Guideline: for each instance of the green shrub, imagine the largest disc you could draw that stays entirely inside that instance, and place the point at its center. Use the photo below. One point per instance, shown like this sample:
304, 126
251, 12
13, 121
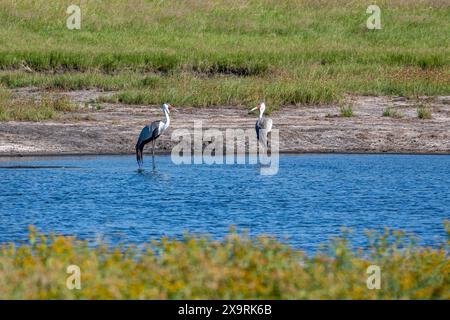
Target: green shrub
346, 111
423, 112
392, 113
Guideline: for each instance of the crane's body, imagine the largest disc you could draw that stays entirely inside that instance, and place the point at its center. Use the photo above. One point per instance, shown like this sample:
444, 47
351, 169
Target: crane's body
151, 132
263, 125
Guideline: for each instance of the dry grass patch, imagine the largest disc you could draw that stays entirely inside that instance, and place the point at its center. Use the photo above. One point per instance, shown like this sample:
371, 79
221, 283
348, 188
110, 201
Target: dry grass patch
19, 109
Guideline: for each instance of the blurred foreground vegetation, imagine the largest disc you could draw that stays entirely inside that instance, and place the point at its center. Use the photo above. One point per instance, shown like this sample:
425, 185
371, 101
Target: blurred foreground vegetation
237, 267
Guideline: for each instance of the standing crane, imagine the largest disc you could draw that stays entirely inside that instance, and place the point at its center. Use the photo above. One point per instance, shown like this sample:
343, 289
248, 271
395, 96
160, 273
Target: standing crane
263, 125
151, 132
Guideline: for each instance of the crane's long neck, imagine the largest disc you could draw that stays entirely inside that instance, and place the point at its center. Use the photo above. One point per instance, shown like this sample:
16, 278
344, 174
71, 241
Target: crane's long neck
167, 120
261, 113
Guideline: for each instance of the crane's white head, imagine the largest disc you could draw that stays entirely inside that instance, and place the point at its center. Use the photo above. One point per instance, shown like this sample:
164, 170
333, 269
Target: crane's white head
261, 107
167, 107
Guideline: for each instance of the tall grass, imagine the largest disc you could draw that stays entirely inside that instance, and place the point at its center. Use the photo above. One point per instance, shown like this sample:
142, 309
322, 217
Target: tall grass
294, 52
186, 89
237, 267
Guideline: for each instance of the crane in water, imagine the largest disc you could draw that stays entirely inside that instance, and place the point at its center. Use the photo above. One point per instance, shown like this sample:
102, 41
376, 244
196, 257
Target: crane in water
263, 125
151, 132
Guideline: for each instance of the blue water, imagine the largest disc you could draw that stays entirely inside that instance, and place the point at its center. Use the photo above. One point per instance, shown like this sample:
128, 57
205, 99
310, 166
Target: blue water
305, 204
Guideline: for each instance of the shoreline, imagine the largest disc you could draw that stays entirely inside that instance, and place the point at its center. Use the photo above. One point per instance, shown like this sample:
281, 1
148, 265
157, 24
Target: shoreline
283, 153
319, 129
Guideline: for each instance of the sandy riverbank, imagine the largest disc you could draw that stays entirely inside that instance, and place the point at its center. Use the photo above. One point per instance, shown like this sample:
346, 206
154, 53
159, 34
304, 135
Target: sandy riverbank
115, 127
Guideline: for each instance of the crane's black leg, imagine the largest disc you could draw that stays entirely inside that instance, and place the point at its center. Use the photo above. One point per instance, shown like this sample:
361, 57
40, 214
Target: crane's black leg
139, 156
153, 153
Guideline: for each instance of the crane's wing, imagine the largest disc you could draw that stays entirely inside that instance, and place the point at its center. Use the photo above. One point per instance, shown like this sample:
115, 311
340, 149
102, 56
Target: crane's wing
263, 137
268, 124
264, 126
148, 133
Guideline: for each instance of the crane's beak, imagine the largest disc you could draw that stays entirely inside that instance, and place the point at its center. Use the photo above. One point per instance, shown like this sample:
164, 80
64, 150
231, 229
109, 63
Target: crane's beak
172, 108
257, 107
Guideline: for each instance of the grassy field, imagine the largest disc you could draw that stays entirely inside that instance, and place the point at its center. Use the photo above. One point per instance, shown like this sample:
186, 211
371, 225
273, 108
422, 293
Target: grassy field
237, 267
235, 52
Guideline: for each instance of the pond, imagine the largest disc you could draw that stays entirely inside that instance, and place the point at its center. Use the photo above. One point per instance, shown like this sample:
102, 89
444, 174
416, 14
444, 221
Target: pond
305, 204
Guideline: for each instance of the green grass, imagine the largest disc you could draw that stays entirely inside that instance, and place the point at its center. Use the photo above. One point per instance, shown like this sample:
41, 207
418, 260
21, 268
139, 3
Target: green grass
185, 89
236, 267
423, 112
228, 52
392, 113
19, 109
346, 111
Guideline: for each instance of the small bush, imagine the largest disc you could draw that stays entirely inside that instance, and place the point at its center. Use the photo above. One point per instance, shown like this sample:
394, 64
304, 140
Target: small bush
392, 113
346, 111
423, 112
61, 104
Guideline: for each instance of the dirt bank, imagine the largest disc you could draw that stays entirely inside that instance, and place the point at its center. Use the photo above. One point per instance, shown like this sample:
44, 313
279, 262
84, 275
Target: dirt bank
114, 127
